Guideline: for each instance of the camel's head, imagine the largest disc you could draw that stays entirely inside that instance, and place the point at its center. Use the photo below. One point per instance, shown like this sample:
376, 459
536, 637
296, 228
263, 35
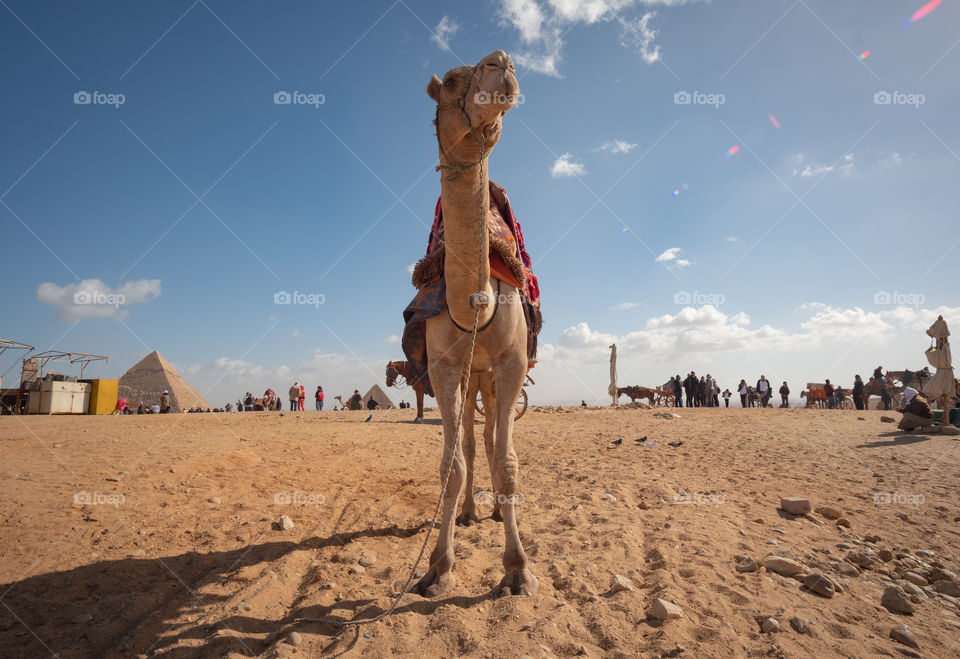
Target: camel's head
392, 374
471, 101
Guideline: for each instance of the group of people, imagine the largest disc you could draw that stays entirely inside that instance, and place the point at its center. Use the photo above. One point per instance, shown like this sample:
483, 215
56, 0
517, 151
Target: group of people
705, 392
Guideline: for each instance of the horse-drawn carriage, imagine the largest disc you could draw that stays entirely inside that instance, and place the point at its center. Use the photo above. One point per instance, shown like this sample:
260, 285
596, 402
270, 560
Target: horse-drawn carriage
816, 395
662, 395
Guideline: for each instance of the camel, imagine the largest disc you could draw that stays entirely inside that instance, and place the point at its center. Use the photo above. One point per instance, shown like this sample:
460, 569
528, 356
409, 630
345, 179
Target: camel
635, 392
402, 370
471, 102
345, 406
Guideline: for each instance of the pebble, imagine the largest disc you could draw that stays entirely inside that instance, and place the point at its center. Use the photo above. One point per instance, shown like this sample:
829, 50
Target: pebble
864, 558
795, 505
294, 639
136, 553
609, 497
801, 626
747, 565
951, 588
819, 584
769, 626
367, 559
829, 512
887, 419
902, 634
619, 583
907, 651
939, 574
895, 600
82, 618
915, 578
663, 610
243, 606
357, 569
844, 522
285, 523
214, 500
885, 555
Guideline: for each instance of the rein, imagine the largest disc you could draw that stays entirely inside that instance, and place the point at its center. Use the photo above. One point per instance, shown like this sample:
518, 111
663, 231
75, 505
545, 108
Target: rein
455, 168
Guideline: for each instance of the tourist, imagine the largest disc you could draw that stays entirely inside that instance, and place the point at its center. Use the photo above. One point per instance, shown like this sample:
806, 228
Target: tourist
726, 397
677, 391
294, 396
828, 392
583, 403
318, 399
356, 401
372, 404
839, 396
702, 392
885, 400
248, 402
784, 395
228, 407
301, 397
165, 402
716, 394
878, 374
916, 411
743, 390
858, 391
690, 386
708, 390
154, 409
764, 390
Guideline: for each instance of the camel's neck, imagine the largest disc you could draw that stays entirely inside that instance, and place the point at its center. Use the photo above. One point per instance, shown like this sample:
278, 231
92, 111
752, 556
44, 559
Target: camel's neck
466, 205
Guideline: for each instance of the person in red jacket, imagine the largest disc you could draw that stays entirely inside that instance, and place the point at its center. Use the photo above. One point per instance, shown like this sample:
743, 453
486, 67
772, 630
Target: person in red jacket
302, 398
318, 399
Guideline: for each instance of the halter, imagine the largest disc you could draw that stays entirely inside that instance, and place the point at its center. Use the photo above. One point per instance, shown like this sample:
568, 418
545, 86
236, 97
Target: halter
478, 135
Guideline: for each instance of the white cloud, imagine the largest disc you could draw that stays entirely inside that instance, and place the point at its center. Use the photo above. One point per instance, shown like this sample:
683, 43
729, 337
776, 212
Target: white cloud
410, 268
446, 29
893, 160
624, 306
638, 35
732, 239
565, 167
668, 255
91, 298
616, 146
843, 166
393, 339
295, 332
542, 25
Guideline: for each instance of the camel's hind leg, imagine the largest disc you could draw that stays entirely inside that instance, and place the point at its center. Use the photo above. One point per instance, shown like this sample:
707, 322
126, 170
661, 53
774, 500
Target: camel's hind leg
508, 374
468, 510
488, 393
439, 577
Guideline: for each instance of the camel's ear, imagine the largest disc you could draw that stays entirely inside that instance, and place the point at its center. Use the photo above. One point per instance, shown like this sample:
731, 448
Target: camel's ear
433, 88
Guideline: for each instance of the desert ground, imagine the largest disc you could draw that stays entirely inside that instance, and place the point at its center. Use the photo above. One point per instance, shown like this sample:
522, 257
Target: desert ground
159, 536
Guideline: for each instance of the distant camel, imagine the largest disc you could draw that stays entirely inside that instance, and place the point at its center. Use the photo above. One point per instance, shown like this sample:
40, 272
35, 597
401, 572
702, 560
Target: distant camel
636, 392
345, 406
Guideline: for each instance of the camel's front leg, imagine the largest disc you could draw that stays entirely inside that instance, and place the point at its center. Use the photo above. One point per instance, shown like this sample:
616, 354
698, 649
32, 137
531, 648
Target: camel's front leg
468, 510
508, 374
419, 391
439, 576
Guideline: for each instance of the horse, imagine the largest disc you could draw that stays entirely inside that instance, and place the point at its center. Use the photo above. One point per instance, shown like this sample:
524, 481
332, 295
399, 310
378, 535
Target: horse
635, 392
403, 370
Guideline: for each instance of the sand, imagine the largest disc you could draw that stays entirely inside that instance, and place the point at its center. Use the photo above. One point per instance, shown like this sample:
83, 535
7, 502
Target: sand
177, 555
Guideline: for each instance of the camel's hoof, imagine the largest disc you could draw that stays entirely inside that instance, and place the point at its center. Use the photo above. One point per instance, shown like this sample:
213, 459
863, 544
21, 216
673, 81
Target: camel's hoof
518, 582
433, 584
495, 515
467, 519
419, 419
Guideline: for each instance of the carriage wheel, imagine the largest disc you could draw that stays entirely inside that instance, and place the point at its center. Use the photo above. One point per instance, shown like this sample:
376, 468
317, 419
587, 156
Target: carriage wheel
847, 404
521, 404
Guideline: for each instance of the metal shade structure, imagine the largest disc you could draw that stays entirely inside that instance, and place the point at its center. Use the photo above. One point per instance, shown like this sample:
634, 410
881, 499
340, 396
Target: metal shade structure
69, 357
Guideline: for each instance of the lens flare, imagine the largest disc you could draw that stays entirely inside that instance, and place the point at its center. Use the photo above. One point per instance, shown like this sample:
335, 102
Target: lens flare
923, 11
773, 120
864, 55
732, 151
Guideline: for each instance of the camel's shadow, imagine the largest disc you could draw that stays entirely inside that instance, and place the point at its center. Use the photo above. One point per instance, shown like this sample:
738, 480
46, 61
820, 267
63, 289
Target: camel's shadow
900, 438
152, 606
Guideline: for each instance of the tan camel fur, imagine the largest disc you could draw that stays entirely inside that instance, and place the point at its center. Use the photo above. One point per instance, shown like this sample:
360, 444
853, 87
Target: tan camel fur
471, 102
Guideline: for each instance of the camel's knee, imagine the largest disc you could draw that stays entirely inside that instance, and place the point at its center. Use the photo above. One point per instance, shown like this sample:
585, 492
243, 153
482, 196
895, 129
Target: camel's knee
506, 475
458, 471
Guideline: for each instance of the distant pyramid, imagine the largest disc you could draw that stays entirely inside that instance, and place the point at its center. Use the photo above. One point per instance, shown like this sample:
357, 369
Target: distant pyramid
377, 393
150, 377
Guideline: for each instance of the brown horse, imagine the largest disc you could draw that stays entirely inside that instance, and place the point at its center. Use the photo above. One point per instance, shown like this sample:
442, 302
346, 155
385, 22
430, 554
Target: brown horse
635, 392
397, 370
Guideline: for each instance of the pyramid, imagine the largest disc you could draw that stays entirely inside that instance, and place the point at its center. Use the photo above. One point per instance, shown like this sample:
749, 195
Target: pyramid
382, 398
153, 374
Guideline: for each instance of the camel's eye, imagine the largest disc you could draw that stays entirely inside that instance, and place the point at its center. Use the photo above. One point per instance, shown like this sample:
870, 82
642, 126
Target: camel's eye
450, 82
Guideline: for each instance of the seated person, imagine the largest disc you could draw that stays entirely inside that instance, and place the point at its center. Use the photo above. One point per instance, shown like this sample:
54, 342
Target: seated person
916, 411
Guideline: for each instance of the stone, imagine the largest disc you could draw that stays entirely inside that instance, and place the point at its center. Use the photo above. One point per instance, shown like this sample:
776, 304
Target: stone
214, 500
136, 553
786, 567
951, 588
357, 569
367, 559
294, 639
895, 600
885, 555
619, 583
865, 558
913, 590
915, 578
747, 565
846, 569
285, 523
801, 626
887, 419
243, 606
769, 626
925, 553
663, 610
908, 652
795, 505
609, 497
820, 584
82, 618
940, 574
844, 522
829, 512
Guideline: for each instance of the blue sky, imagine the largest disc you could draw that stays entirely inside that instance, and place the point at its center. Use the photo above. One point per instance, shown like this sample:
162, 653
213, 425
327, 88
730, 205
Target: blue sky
819, 249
